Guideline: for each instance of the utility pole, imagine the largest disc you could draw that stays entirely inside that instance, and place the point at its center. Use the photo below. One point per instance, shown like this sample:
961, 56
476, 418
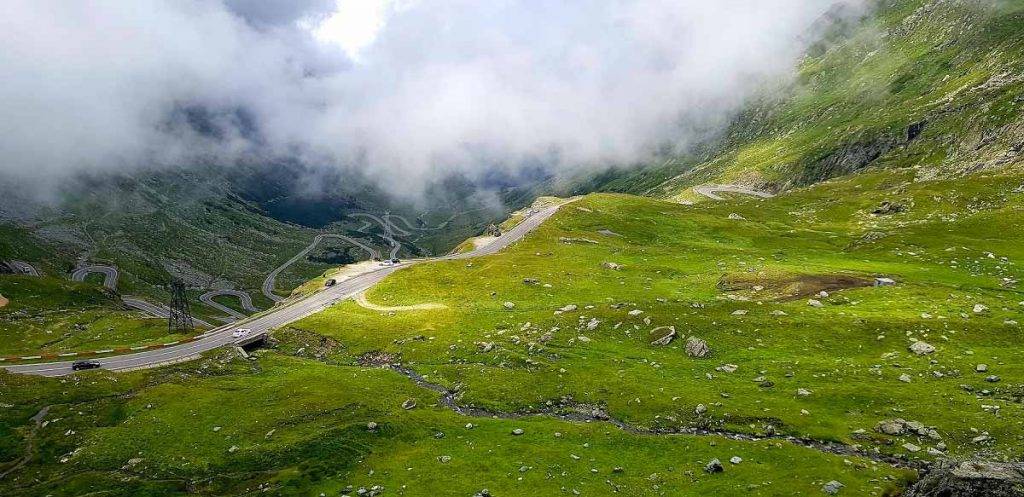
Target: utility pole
179, 320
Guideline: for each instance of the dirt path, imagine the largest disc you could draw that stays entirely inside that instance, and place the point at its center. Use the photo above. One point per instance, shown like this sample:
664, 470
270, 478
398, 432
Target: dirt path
30, 448
712, 191
363, 302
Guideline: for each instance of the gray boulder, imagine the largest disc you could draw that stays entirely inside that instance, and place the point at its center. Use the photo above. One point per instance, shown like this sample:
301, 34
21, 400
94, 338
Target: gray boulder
696, 347
971, 478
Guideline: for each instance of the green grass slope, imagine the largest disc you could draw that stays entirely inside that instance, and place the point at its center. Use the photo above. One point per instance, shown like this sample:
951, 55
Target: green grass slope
52, 316
924, 84
601, 407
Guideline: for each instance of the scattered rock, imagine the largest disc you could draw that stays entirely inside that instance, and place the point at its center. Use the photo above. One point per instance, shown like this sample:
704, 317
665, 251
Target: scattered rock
803, 392
570, 241
727, 368
894, 427
611, 265
980, 308
736, 217
815, 303
715, 466
409, 404
518, 431
635, 312
531, 281
832, 488
509, 305
886, 208
696, 347
736, 459
700, 409
885, 282
662, 335
569, 308
371, 426
905, 378
921, 348
911, 447
739, 312
485, 346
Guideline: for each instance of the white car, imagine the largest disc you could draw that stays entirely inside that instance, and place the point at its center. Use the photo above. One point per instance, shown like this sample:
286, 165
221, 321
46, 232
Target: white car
241, 332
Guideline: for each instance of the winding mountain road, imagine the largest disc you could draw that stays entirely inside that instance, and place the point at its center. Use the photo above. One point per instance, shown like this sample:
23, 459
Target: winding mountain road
271, 280
711, 191
278, 316
389, 230
388, 217
207, 298
110, 277
25, 268
110, 274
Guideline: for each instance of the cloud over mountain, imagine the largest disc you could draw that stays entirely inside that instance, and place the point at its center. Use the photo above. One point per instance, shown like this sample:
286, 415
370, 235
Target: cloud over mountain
404, 89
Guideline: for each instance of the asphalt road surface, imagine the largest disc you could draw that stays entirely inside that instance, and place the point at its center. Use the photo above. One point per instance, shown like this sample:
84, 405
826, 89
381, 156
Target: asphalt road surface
110, 276
278, 316
711, 191
271, 280
25, 268
389, 230
109, 273
157, 310
207, 298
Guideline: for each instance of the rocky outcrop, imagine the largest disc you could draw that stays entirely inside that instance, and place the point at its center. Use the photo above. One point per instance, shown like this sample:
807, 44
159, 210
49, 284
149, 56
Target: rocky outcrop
971, 478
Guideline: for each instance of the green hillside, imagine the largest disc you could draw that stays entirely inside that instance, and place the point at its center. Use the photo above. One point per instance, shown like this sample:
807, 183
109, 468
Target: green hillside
847, 336
935, 87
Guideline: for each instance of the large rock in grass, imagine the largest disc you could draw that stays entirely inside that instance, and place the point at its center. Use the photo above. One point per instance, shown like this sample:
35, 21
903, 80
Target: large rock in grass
696, 347
894, 427
921, 348
662, 335
971, 478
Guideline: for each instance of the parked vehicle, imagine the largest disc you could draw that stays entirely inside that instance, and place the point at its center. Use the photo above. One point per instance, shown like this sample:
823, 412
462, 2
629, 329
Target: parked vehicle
331, 282
241, 332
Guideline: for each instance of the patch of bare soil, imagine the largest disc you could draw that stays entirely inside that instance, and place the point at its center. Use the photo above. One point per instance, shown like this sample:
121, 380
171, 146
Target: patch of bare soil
788, 287
362, 301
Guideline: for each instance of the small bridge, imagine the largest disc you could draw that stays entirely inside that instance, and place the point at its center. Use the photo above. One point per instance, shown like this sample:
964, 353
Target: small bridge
257, 338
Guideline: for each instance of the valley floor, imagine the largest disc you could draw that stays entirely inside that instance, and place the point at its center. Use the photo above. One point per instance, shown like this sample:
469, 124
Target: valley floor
551, 368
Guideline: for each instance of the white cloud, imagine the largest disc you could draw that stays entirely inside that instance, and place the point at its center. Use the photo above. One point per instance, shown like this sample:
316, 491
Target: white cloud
439, 85
353, 26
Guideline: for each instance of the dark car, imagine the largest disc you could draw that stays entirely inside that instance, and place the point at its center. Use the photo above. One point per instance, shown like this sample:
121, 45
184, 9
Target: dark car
395, 261
83, 365
331, 282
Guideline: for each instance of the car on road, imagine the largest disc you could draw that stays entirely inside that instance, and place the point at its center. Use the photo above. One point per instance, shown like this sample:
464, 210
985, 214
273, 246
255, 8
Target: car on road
330, 282
387, 263
83, 365
241, 332
395, 261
